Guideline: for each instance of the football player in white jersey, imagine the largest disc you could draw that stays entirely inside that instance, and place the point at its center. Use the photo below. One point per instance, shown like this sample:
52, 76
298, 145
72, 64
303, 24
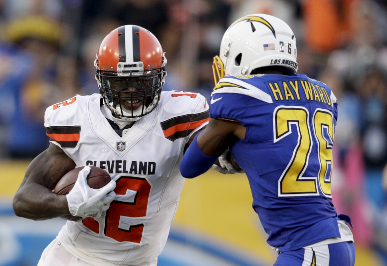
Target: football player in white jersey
138, 134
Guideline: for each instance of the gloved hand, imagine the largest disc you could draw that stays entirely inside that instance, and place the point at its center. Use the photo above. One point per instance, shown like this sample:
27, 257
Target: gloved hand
85, 201
228, 165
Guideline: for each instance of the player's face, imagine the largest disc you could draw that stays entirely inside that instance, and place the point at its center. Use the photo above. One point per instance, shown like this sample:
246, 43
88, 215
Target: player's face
132, 95
132, 91
129, 100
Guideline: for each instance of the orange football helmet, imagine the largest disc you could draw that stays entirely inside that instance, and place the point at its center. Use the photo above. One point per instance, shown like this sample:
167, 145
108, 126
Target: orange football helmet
130, 71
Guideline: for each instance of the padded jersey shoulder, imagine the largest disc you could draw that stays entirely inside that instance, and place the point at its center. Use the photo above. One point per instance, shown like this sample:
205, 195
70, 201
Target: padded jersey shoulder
64, 120
67, 113
233, 94
178, 103
182, 113
251, 85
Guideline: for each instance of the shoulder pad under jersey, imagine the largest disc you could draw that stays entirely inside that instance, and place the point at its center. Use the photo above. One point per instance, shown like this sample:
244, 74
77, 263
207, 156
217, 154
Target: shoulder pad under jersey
232, 95
246, 85
63, 120
182, 113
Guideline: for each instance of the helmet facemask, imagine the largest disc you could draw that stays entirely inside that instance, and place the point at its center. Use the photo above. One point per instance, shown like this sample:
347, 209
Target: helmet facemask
131, 95
217, 69
130, 72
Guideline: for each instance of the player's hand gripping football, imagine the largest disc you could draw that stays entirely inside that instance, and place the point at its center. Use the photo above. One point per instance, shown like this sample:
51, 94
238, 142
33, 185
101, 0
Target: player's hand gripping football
227, 164
85, 201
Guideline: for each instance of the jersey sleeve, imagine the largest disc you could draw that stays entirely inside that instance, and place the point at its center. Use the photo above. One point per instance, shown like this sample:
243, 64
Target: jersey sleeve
183, 114
200, 114
63, 122
232, 96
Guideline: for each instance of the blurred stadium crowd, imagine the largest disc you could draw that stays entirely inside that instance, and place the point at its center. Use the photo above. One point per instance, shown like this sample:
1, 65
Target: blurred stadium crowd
47, 49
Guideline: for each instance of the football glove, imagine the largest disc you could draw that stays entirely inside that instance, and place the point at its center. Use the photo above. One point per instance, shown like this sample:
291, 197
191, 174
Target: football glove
85, 201
226, 166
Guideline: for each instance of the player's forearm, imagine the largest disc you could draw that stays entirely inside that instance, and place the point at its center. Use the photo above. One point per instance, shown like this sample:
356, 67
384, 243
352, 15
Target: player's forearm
37, 202
195, 162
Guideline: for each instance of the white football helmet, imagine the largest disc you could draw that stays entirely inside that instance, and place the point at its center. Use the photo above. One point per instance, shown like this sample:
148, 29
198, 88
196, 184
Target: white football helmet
255, 41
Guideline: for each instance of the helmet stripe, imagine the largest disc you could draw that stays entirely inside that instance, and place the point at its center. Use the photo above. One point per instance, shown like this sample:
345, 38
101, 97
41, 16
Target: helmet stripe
129, 43
136, 43
121, 44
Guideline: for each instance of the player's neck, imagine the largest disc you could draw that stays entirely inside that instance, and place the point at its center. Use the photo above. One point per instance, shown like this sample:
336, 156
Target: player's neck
121, 123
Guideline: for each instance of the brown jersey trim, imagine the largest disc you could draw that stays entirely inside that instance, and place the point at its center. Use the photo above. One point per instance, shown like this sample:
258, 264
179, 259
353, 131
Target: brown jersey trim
66, 136
184, 119
182, 126
63, 129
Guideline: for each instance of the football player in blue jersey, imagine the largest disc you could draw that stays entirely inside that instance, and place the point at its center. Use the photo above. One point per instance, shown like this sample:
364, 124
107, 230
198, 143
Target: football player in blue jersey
279, 127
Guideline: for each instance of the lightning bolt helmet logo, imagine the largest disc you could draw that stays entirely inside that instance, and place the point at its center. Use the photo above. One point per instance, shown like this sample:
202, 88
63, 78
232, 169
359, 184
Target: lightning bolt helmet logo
257, 19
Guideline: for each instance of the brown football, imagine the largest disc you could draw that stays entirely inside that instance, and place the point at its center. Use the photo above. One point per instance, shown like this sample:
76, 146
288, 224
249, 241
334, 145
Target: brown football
96, 179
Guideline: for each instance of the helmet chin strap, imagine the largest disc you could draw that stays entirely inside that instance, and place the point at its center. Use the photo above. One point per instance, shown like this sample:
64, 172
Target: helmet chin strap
108, 114
122, 122
126, 112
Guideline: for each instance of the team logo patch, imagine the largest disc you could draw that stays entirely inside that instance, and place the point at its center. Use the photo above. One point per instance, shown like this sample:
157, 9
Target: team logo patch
121, 145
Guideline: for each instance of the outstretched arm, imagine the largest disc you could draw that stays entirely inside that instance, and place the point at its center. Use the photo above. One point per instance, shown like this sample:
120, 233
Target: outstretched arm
34, 198
209, 144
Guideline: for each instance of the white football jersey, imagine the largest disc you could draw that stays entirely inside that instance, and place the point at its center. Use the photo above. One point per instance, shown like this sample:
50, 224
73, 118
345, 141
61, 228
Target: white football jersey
145, 164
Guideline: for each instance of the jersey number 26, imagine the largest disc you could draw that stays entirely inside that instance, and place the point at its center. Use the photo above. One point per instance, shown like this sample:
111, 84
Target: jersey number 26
292, 182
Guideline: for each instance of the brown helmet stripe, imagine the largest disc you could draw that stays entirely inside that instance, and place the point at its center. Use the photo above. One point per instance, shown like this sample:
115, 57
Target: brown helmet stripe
121, 44
136, 43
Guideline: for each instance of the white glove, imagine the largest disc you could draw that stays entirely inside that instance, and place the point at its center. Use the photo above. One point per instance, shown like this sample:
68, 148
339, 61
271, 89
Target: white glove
226, 166
85, 201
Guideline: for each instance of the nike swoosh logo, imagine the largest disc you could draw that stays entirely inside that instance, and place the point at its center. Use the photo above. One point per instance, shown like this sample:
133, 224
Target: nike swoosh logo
214, 101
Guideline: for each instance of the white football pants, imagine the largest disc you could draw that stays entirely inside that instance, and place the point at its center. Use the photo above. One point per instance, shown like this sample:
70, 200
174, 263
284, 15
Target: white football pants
56, 255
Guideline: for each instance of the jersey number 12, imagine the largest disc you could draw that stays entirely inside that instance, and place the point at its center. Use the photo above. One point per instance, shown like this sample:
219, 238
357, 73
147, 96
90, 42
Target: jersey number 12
115, 226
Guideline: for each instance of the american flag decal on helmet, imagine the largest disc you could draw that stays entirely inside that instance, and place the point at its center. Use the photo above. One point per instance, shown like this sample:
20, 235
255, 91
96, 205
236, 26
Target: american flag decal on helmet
269, 46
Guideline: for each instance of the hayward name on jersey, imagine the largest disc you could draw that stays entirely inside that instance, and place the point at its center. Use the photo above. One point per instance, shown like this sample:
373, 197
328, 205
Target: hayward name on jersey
145, 164
287, 152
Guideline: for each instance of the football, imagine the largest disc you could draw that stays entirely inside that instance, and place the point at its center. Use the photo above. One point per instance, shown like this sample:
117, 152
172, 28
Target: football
96, 179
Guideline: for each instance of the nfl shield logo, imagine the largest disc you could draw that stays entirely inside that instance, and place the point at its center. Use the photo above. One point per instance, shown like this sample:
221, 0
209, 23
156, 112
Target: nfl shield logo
121, 145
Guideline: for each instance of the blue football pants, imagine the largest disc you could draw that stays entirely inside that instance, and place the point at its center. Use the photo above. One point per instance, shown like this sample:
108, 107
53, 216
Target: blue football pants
337, 254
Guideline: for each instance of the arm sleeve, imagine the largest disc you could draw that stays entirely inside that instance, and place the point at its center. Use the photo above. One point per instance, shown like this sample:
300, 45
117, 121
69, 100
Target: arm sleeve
195, 162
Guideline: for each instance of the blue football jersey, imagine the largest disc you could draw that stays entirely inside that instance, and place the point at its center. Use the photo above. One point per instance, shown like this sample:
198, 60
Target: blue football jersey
287, 152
